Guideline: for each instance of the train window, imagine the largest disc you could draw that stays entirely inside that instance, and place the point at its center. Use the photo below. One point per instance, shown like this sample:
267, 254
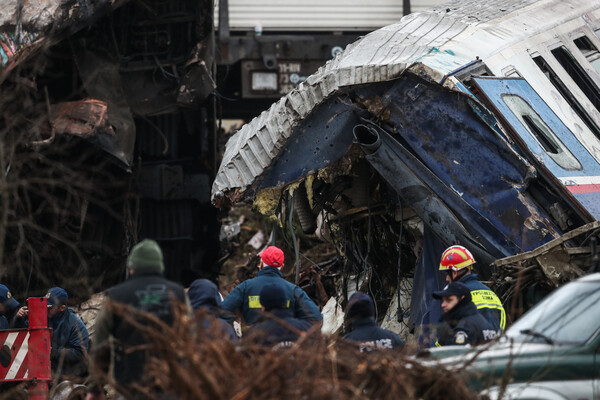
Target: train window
566, 94
591, 53
578, 74
542, 133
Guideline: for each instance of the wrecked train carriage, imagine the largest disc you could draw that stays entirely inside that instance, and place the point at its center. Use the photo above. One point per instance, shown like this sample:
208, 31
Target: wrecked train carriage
108, 116
470, 123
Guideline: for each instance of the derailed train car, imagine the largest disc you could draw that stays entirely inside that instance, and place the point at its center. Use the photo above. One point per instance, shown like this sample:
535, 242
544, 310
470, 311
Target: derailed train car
473, 123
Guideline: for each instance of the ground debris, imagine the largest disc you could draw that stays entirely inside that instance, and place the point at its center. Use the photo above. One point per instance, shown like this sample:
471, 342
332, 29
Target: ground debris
523, 279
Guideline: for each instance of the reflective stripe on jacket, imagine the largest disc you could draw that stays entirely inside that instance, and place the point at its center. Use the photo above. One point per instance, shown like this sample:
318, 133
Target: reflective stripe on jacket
486, 301
245, 297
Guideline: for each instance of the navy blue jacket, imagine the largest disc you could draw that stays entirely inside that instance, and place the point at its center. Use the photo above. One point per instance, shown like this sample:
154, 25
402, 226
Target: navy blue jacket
486, 301
370, 336
205, 300
245, 297
273, 330
70, 343
3, 323
465, 325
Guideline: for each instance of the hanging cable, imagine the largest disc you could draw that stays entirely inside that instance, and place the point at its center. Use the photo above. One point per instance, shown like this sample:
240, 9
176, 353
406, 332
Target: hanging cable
296, 251
400, 311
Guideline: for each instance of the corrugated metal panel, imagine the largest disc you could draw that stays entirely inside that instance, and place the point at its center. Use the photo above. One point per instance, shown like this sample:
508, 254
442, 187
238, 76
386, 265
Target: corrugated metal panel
317, 15
442, 39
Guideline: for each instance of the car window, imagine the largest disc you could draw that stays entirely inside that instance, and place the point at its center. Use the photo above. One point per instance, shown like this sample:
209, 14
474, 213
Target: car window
571, 314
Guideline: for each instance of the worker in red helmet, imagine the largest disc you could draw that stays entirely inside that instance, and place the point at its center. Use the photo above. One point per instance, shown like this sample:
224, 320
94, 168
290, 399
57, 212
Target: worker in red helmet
458, 263
245, 298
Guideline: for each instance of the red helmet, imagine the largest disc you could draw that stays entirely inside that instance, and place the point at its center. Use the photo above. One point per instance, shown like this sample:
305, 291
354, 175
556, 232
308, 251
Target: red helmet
456, 258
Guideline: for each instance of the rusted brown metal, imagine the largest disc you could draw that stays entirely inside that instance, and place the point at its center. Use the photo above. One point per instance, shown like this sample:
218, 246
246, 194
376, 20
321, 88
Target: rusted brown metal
79, 118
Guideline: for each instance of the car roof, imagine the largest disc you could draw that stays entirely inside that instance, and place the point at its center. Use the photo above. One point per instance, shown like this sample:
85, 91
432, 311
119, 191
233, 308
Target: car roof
595, 277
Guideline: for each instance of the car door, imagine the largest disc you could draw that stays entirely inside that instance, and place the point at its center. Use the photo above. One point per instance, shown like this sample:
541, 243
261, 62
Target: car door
597, 369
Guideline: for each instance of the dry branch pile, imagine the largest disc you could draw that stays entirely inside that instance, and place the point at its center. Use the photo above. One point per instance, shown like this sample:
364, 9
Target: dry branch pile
196, 365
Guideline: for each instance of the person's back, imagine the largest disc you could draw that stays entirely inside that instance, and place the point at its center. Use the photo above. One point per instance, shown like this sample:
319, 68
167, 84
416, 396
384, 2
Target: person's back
278, 327
486, 301
148, 293
364, 330
246, 296
144, 295
463, 324
205, 301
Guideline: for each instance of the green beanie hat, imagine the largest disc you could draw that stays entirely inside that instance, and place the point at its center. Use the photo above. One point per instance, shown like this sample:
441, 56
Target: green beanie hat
146, 255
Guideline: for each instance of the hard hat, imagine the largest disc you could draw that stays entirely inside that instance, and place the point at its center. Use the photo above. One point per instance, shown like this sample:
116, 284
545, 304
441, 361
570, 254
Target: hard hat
456, 258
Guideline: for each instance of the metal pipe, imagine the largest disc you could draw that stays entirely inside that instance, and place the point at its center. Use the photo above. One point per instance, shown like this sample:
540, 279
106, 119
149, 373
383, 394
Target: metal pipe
367, 137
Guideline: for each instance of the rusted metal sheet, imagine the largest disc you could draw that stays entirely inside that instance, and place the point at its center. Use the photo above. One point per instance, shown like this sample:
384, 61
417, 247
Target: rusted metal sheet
79, 118
86, 119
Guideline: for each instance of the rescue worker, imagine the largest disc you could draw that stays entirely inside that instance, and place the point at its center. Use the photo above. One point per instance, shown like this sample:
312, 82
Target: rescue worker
463, 323
117, 344
8, 306
277, 326
360, 315
70, 339
458, 262
206, 303
246, 296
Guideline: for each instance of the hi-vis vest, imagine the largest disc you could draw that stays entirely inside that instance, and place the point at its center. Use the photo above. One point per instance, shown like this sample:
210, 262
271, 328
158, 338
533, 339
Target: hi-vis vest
487, 300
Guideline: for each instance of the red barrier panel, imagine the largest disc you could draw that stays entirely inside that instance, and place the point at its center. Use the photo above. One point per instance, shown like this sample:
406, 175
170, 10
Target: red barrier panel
25, 353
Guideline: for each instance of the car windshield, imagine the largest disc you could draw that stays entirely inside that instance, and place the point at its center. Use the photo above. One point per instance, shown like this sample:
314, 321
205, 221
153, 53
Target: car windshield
570, 315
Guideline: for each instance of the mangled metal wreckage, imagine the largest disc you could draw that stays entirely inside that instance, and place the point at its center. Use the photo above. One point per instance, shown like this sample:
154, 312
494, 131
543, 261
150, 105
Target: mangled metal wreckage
414, 139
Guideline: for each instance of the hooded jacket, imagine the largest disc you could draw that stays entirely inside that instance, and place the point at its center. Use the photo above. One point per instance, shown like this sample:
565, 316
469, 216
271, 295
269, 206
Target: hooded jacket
463, 325
246, 298
206, 303
364, 329
273, 328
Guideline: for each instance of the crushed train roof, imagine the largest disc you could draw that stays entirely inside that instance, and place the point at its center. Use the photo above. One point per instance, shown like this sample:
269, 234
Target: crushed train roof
442, 39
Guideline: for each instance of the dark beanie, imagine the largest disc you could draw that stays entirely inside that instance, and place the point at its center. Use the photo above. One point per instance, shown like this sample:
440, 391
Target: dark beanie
360, 305
272, 296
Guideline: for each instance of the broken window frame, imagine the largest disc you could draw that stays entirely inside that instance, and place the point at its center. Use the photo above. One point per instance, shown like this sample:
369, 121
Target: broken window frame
569, 97
541, 132
577, 73
591, 53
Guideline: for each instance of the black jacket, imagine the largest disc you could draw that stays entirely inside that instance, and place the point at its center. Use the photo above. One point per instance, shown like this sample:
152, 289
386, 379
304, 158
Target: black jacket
370, 336
144, 291
273, 329
465, 325
205, 300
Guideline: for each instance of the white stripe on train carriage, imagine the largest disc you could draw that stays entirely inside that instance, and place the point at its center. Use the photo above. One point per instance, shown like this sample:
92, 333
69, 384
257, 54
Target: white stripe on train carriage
16, 364
580, 180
